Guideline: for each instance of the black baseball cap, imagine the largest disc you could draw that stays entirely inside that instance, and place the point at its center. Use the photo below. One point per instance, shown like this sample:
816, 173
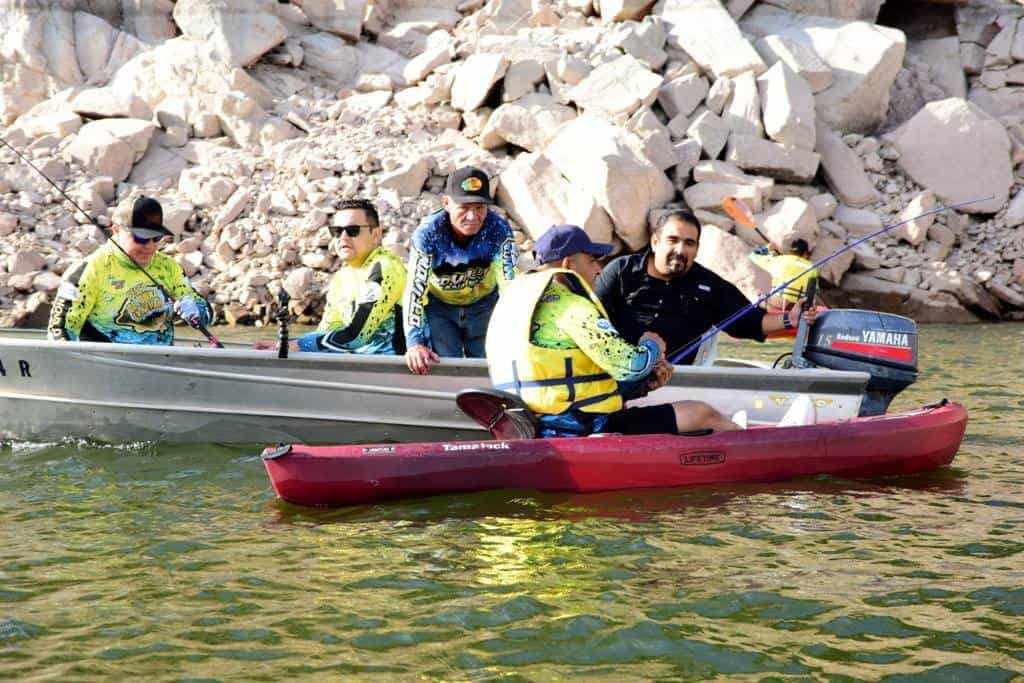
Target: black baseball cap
469, 185
148, 219
561, 241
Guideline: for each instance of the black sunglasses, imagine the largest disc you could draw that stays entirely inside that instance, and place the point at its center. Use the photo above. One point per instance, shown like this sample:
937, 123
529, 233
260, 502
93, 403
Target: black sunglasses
350, 230
147, 240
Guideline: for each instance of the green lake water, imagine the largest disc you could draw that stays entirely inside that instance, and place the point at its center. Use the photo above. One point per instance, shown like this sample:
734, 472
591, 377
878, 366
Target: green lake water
177, 563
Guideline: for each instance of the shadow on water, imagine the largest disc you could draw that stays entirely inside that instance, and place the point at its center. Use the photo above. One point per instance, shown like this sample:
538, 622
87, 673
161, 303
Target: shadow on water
645, 505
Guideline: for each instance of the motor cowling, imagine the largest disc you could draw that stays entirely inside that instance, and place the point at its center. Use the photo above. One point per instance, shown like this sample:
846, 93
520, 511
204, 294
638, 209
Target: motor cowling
882, 344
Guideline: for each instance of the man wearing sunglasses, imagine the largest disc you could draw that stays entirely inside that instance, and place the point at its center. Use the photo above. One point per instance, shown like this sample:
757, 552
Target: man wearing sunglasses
108, 297
362, 314
459, 258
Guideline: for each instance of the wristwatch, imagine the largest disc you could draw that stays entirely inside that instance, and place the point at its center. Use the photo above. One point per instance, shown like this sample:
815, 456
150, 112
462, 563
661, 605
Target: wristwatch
786, 325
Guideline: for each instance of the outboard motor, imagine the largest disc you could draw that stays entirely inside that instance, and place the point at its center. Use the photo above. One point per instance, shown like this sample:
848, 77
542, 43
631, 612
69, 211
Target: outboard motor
881, 344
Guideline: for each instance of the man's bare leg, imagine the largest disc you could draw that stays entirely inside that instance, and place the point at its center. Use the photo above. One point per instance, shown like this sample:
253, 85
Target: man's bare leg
694, 415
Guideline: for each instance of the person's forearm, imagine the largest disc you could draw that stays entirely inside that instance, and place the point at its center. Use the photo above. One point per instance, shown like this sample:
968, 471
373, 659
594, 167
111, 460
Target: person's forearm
773, 322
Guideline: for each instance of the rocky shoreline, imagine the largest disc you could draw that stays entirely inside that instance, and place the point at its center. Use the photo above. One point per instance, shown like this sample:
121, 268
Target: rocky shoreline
252, 120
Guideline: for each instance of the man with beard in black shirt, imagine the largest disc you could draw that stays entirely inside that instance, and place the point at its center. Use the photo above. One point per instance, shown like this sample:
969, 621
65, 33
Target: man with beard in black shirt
664, 290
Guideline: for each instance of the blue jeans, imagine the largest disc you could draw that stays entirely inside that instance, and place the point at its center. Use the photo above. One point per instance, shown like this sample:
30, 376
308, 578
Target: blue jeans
457, 331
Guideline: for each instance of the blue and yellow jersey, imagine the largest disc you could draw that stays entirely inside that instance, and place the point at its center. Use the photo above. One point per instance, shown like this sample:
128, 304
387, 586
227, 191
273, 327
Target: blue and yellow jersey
785, 267
455, 274
363, 314
108, 298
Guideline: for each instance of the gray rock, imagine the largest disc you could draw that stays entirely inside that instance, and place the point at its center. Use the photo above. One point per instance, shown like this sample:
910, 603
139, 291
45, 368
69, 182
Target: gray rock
843, 169
241, 31
957, 167
618, 88
772, 159
705, 31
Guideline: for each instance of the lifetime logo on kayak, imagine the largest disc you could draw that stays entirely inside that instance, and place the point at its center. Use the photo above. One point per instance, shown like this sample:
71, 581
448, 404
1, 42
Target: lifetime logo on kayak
487, 446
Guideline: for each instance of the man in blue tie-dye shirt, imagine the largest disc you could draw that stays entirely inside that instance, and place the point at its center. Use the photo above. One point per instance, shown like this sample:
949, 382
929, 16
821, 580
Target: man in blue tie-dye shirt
459, 258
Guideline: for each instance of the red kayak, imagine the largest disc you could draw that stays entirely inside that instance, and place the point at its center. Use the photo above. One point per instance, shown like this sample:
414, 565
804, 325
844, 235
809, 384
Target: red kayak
900, 443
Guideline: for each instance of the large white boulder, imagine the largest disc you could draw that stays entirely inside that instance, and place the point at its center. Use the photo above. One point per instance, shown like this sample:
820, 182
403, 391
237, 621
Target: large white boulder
595, 156
530, 122
787, 104
843, 169
800, 57
330, 54
407, 180
711, 132
864, 59
184, 71
103, 103
438, 51
617, 88
537, 196
790, 219
241, 31
706, 31
765, 157
110, 147
959, 152
474, 79
343, 17
655, 139
680, 96
728, 256
743, 112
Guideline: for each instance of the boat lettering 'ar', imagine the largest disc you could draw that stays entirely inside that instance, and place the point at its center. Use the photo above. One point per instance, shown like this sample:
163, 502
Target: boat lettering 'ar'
23, 368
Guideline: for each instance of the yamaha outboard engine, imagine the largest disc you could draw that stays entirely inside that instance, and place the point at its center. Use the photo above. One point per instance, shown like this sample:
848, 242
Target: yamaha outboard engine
881, 344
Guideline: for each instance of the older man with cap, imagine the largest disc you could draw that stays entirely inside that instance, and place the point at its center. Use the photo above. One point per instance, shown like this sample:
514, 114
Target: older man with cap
551, 343
460, 257
109, 297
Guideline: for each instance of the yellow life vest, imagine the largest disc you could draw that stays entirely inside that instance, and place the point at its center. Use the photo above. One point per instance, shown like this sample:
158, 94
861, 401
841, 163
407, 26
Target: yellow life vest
550, 381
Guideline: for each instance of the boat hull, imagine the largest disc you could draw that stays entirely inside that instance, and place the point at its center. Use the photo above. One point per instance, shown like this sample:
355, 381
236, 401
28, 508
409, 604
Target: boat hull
124, 393
904, 443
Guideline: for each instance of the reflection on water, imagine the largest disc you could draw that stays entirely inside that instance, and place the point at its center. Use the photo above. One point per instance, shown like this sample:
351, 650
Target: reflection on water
176, 562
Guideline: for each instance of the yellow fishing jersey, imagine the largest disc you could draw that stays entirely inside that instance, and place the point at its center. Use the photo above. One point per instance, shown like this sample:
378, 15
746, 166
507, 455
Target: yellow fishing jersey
107, 298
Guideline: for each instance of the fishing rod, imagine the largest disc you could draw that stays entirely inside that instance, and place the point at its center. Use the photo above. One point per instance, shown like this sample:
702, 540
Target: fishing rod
675, 357
214, 342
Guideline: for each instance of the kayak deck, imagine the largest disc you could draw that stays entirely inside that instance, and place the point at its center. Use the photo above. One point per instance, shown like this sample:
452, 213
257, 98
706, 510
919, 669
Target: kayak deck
894, 444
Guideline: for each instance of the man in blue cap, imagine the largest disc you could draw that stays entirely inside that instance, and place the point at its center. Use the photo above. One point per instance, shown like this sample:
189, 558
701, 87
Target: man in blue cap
551, 343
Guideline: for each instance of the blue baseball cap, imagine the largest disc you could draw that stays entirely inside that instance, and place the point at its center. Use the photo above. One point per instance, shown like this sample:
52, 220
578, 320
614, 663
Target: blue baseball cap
561, 241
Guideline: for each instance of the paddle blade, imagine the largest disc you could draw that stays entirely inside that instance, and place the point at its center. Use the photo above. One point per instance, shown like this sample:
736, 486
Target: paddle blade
737, 210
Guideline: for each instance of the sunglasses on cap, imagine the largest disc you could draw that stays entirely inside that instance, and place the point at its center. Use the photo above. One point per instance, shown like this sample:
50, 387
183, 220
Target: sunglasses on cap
146, 240
350, 230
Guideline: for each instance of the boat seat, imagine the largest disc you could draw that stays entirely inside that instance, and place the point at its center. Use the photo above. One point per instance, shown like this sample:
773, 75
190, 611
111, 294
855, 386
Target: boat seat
503, 414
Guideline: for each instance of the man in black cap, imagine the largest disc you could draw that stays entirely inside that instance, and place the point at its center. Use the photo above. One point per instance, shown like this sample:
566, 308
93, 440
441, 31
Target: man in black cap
552, 345
459, 258
109, 297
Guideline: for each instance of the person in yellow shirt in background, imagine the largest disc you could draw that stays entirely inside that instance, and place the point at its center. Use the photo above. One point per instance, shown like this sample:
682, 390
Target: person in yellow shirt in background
784, 267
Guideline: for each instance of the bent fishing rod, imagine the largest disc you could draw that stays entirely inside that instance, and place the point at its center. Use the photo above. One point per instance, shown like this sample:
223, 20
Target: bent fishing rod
676, 357
214, 342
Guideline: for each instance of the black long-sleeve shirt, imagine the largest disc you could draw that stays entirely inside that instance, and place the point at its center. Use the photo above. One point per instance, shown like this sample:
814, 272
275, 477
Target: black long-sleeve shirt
680, 310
